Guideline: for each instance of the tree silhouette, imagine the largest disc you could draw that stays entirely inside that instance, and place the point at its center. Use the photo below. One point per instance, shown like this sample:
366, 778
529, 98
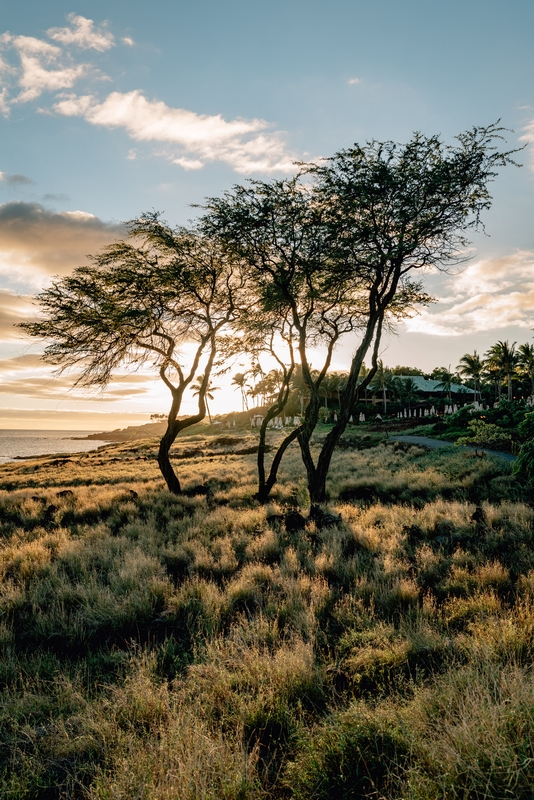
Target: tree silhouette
504, 357
199, 386
472, 366
240, 380
136, 305
525, 361
445, 382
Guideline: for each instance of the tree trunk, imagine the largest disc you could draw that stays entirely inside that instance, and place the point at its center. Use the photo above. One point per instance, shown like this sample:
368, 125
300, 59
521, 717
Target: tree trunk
265, 486
317, 479
174, 426
173, 484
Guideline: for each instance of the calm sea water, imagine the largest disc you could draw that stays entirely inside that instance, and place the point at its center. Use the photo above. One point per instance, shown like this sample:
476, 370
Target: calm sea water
41, 443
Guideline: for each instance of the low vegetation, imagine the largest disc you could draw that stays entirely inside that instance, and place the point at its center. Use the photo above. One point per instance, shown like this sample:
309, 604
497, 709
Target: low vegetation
160, 646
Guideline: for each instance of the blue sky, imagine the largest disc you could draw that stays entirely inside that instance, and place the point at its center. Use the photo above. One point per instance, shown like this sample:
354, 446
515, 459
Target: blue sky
109, 109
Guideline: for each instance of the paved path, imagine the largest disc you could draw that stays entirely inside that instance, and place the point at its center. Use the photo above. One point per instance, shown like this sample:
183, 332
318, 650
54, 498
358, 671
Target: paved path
433, 444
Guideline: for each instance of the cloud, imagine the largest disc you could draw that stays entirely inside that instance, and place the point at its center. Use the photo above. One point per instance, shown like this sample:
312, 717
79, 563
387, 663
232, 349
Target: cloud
490, 294
83, 34
36, 242
68, 420
49, 66
48, 387
191, 139
15, 180
354, 81
59, 198
13, 309
246, 145
40, 67
28, 375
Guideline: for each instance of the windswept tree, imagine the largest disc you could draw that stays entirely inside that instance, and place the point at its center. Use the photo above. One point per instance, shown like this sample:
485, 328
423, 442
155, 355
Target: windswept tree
138, 304
336, 245
276, 231
392, 210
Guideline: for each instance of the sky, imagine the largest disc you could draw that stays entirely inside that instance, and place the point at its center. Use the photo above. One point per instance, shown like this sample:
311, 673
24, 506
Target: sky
111, 109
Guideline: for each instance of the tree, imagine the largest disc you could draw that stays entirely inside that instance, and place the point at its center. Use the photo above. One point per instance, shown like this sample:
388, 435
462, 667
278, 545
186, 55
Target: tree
276, 230
240, 380
484, 435
395, 209
504, 357
472, 366
525, 362
198, 387
334, 247
137, 305
383, 381
406, 390
445, 382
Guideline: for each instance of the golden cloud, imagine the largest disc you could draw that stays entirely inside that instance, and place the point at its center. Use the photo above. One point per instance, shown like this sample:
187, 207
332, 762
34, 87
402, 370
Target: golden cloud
36, 242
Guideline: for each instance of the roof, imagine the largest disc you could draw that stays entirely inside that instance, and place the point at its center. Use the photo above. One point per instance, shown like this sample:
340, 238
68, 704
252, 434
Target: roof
434, 387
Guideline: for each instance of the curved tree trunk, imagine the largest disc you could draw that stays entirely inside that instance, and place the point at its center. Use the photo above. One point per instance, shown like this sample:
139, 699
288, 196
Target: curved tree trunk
174, 426
265, 485
317, 484
173, 484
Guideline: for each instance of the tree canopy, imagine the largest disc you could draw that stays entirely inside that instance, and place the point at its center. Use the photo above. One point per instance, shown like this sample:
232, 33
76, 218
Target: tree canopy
140, 302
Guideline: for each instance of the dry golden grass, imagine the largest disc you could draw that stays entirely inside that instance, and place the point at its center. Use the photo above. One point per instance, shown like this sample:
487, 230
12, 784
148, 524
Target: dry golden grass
155, 646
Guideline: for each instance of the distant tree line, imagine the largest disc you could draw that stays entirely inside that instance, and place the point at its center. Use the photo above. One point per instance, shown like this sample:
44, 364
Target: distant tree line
284, 268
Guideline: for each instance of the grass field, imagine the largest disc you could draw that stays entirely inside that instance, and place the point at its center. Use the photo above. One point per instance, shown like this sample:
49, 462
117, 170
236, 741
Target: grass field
159, 647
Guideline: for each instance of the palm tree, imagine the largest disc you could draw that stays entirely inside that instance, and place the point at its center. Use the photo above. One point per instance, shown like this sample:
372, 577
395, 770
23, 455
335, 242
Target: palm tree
472, 367
382, 381
196, 387
504, 356
240, 379
330, 384
526, 362
492, 372
446, 380
409, 391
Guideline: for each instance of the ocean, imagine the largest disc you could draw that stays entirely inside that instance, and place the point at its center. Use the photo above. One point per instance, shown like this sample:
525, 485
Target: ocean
28, 443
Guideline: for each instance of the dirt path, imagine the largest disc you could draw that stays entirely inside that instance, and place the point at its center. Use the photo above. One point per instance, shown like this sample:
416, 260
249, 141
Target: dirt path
433, 444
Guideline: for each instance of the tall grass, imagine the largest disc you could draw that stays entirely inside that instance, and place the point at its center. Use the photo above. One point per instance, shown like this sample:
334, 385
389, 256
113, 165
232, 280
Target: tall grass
155, 646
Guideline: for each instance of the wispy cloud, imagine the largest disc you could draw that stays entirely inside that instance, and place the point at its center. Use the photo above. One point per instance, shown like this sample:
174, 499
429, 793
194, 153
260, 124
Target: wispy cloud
48, 66
16, 180
43, 67
35, 67
354, 81
246, 145
83, 33
13, 309
489, 294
